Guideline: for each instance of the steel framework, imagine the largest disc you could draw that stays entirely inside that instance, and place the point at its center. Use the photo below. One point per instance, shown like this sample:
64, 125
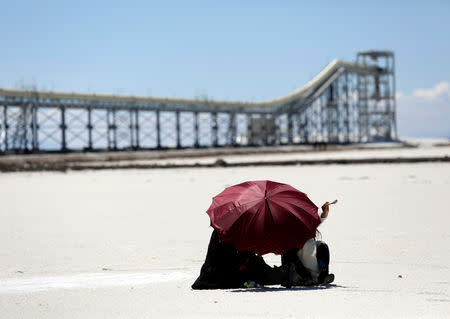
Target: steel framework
345, 103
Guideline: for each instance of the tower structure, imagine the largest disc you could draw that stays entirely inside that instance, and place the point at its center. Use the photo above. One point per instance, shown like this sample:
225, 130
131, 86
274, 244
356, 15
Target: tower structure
376, 96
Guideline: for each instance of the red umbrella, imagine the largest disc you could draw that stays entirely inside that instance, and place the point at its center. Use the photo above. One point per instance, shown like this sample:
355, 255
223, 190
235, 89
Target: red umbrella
264, 217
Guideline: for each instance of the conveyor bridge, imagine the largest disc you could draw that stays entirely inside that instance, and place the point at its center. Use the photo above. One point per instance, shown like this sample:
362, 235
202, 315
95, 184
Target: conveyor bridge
348, 102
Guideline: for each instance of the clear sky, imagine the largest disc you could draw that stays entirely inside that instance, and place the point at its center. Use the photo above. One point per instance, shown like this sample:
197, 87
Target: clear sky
234, 50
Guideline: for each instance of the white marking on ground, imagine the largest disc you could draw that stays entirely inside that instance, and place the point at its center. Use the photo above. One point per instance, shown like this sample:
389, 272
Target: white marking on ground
85, 281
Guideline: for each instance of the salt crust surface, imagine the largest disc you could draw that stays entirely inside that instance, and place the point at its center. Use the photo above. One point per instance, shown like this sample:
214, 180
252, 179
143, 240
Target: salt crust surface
129, 243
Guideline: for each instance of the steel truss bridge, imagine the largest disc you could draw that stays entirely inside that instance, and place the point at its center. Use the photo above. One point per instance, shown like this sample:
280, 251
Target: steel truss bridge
348, 102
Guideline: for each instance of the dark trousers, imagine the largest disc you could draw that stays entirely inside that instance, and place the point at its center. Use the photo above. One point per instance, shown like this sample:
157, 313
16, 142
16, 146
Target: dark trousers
323, 256
323, 260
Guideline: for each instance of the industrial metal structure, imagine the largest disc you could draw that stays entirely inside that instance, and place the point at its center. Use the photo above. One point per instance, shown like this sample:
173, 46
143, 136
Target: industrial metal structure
345, 103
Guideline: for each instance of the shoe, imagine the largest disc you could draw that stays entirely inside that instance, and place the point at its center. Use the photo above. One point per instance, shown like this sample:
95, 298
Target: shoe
290, 275
294, 277
327, 280
296, 280
252, 284
322, 275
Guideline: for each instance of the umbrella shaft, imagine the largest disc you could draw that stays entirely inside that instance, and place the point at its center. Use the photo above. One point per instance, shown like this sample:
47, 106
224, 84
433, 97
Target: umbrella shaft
267, 203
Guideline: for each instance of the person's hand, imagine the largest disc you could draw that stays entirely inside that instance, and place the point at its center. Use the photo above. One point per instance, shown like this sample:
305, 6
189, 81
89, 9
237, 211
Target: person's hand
325, 210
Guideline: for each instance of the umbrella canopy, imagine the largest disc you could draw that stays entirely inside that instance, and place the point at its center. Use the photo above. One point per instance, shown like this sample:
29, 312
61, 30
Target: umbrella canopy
264, 217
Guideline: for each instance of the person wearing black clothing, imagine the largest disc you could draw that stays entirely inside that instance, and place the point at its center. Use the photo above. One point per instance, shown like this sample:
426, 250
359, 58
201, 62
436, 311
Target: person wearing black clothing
323, 259
225, 267
312, 260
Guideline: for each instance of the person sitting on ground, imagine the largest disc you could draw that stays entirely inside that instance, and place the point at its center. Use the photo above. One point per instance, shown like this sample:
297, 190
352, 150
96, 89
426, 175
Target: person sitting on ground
225, 267
312, 260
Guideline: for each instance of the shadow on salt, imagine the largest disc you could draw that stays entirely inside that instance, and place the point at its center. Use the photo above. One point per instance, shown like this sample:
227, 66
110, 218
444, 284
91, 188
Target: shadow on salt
280, 289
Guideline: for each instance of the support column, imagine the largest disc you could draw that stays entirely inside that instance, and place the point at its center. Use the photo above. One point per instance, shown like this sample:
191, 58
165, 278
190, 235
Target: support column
23, 142
329, 113
323, 118
114, 129
306, 133
249, 129
109, 126
290, 128
89, 127
394, 106
131, 128
347, 113
177, 117
5, 123
196, 137
232, 129
214, 129
277, 130
34, 128
158, 129
63, 127
264, 129
136, 122
299, 126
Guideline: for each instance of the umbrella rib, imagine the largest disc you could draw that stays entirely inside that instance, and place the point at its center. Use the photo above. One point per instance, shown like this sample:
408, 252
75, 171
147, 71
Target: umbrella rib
270, 213
240, 204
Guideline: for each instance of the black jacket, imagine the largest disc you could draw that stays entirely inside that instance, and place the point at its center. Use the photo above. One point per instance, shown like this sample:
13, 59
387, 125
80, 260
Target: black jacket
226, 267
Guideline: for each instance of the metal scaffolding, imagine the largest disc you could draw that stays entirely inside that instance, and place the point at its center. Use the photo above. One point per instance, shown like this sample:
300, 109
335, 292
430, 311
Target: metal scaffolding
345, 103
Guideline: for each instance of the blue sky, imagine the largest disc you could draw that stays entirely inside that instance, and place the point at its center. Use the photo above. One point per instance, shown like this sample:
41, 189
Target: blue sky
234, 50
